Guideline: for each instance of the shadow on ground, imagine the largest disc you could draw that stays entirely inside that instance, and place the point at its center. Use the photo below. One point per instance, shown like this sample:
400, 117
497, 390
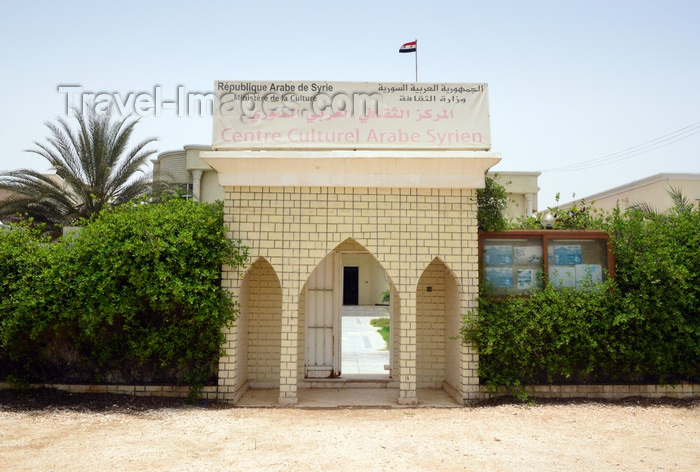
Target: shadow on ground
42, 399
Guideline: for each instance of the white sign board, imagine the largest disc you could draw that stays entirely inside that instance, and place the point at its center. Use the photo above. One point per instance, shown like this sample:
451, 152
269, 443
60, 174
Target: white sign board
350, 115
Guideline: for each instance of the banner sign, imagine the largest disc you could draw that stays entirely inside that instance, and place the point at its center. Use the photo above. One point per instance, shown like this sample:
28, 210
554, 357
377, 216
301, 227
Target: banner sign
350, 115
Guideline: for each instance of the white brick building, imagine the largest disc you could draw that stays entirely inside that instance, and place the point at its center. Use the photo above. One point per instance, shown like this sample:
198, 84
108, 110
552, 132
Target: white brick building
423, 234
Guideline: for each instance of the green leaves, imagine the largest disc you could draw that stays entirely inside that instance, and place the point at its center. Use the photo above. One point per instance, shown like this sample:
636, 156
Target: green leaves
552, 335
135, 296
492, 201
658, 271
644, 325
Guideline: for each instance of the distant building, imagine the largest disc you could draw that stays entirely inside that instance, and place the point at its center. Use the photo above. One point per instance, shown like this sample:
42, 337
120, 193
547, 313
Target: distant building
651, 191
185, 169
522, 189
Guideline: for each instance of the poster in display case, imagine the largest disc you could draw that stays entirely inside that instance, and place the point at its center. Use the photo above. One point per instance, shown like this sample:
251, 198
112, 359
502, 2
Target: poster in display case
512, 266
501, 278
528, 255
578, 275
501, 255
567, 254
528, 279
562, 276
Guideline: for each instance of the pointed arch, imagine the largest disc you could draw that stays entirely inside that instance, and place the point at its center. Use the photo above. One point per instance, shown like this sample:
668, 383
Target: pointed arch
438, 319
254, 261
320, 306
259, 326
350, 244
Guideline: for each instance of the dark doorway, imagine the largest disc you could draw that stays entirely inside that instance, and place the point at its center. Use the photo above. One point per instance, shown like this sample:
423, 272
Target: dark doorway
351, 285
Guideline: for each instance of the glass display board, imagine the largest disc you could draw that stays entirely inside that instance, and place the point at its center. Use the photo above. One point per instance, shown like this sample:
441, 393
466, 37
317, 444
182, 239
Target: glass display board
514, 262
576, 262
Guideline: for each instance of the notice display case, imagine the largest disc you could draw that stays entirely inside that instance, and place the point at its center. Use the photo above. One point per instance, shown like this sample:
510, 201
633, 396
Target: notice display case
513, 262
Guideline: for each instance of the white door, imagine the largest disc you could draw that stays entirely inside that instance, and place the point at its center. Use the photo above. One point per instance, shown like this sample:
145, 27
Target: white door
323, 307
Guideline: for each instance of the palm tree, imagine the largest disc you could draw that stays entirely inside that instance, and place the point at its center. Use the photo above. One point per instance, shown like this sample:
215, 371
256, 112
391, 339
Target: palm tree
93, 168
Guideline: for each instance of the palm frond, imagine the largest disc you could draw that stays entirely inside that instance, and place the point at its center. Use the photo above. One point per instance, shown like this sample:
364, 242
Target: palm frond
681, 203
95, 164
644, 207
36, 196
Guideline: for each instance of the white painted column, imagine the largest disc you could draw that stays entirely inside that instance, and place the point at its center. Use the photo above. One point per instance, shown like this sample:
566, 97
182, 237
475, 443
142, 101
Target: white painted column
196, 183
529, 203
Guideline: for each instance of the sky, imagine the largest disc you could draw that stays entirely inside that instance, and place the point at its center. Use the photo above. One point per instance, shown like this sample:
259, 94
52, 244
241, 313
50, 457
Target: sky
593, 94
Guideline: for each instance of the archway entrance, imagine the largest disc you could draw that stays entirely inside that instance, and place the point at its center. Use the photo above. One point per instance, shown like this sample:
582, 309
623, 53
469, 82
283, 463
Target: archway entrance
342, 332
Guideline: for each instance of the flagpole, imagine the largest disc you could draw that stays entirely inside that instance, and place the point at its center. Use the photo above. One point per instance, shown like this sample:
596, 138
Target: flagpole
416, 59
411, 46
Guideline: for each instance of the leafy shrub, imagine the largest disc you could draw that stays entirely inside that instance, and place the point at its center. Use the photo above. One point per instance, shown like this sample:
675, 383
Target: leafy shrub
553, 335
579, 215
643, 326
492, 201
135, 296
383, 326
658, 272
24, 255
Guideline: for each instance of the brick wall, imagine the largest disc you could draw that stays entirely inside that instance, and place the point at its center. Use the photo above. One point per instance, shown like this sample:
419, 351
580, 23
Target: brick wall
264, 325
430, 307
173, 167
605, 392
294, 228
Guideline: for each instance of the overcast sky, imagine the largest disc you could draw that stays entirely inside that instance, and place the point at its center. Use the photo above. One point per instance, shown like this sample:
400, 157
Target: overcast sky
571, 84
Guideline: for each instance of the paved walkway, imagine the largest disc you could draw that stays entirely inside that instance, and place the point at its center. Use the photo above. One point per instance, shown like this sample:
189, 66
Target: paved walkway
364, 349
375, 311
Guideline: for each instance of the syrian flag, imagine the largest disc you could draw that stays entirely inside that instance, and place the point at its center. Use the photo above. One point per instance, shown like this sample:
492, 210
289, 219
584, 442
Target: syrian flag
409, 47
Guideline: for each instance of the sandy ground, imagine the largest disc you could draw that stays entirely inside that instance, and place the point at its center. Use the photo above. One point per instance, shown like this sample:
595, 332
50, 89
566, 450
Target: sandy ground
116, 434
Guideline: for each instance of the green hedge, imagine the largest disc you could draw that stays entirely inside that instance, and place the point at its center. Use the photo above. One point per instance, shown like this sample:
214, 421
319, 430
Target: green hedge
642, 327
135, 296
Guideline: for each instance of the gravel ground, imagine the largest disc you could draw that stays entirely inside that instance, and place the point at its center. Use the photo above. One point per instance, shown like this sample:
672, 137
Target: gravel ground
49, 430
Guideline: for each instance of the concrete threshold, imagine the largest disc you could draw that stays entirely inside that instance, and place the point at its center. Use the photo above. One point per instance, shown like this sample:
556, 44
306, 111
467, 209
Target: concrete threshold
347, 397
351, 381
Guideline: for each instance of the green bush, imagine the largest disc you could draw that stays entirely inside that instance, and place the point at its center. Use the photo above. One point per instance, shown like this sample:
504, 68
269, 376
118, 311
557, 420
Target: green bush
24, 257
658, 273
492, 201
642, 326
383, 326
553, 335
135, 296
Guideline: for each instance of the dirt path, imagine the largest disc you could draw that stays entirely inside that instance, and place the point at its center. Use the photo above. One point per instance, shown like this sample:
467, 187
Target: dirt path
584, 436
